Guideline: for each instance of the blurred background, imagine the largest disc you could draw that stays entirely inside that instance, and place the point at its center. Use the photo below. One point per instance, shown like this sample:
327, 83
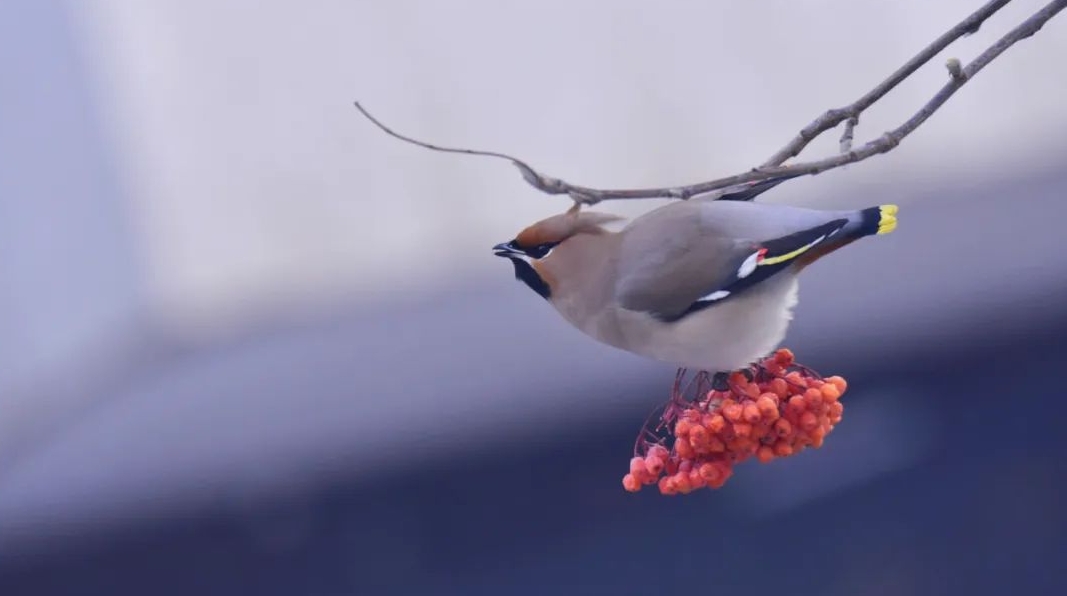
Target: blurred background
250, 344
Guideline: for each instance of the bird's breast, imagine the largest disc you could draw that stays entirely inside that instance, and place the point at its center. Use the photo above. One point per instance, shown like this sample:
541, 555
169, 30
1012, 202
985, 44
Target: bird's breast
724, 337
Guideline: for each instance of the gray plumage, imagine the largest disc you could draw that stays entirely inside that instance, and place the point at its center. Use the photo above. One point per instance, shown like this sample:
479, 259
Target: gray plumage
703, 284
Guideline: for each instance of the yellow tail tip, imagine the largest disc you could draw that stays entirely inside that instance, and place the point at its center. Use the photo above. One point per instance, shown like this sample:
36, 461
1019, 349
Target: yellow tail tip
887, 221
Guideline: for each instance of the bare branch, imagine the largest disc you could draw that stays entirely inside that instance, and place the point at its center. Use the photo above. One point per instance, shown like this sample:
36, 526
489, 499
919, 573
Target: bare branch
832, 118
543, 183
772, 172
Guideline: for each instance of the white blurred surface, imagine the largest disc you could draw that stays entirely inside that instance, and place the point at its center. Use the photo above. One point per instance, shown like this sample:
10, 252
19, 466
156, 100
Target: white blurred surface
255, 185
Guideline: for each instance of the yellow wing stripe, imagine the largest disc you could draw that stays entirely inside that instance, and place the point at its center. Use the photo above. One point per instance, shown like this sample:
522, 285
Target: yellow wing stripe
791, 255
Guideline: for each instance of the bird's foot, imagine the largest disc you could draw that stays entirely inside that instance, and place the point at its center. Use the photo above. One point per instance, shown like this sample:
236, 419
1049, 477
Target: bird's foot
720, 381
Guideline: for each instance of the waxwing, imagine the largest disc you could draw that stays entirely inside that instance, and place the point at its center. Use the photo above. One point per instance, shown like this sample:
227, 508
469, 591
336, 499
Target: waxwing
702, 284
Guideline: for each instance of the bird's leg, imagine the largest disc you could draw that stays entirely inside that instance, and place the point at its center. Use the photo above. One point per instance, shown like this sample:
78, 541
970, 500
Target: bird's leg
679, 402
720, 381
648, 435
705, 385
759, 372
676, 389
735, 389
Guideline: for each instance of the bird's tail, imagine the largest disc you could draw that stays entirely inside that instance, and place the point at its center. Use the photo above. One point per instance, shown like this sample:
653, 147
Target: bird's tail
865, 222
877, 220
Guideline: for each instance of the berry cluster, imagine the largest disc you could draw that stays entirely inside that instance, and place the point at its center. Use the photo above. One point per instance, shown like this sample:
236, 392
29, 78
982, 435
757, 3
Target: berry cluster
776, 410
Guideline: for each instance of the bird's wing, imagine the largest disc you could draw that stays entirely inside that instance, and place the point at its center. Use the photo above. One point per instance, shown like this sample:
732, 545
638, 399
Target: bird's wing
748, 192
693, 269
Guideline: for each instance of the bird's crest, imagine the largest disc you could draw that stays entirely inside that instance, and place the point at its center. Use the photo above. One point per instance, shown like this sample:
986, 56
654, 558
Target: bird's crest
561, 226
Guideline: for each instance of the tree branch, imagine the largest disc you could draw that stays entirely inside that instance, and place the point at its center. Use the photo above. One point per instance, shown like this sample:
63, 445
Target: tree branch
832, 118
773, 169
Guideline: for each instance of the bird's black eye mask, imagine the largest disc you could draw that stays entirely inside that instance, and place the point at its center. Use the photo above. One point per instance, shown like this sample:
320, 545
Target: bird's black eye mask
523, 270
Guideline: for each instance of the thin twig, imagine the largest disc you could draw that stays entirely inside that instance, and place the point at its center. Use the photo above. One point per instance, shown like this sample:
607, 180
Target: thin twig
831, 118
846, 137
531, 175
772, 168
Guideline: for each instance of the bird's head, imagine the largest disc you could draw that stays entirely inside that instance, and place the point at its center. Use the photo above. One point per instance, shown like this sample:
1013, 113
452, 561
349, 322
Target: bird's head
531, 248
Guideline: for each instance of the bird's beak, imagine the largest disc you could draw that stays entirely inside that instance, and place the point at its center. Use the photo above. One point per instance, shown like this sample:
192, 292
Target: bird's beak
507, 249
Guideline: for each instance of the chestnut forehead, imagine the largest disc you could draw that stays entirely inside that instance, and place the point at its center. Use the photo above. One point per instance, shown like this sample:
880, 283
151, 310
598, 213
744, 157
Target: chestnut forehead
540, 233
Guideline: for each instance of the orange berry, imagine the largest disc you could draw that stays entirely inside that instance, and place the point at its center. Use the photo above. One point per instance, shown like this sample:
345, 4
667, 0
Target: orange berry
765, 453
796, 379
726, 471
783, 428
698, 436
797, 404
784, 357
780, 388
695, 480
667, 487
682, 428
817, 437
838, 382
737, 379
772, 367
709, 473
742, 429
835, 409
767, 407
760, 430
792, 417
715, 445
681, 480
630, 483
813, 397
830, 393
731, 410
658, 451
751, 412
743, 447
821, 430
654, 465
684, 449
671, 466
768, 400
727, 433
783, 449
717, 423
809, 421
637, 463
638, 469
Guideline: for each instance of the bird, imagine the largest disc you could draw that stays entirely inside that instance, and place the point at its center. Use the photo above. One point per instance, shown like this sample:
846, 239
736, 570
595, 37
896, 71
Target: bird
705, 284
